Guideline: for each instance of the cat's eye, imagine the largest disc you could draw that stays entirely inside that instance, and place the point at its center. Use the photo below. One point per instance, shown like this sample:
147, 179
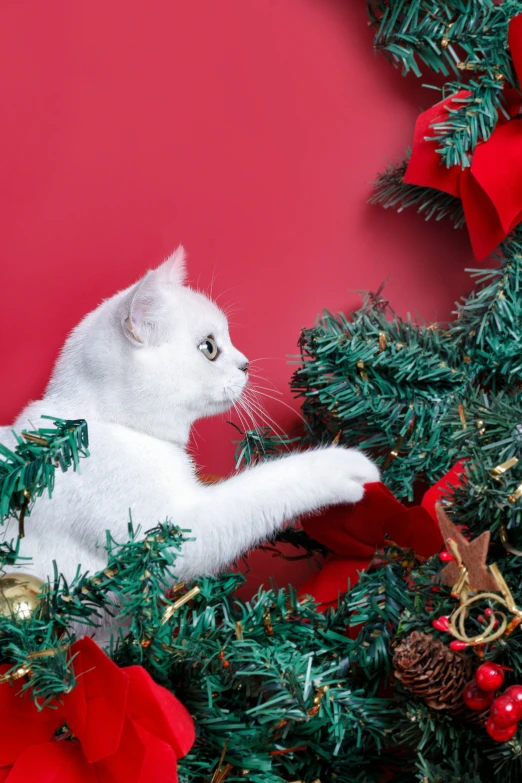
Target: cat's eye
209, 348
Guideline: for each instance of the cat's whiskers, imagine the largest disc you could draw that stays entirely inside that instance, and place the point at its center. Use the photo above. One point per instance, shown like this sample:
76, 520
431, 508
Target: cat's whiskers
244, 424
231, 310
256, 428
267, 388
246, 405
276, 399
254, 372
212, 280
237, 404
268, 358
251, 394
218, 297
264, 415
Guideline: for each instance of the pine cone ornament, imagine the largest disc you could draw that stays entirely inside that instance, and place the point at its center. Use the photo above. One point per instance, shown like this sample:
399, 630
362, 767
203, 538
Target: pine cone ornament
432, 671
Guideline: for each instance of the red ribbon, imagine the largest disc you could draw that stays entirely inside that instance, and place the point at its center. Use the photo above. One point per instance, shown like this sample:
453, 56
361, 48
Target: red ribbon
355, 532
491, 187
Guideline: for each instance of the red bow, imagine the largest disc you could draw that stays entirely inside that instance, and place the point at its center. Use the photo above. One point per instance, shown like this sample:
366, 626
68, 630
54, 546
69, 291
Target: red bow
491, 187
355, 532
121, 727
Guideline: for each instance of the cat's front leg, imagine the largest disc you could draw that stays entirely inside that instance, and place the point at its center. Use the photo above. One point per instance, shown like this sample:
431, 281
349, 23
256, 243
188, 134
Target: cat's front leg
229, 518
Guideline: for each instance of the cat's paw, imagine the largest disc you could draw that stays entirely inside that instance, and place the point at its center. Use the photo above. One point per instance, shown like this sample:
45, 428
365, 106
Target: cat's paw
346, 471
360, 467
351, 492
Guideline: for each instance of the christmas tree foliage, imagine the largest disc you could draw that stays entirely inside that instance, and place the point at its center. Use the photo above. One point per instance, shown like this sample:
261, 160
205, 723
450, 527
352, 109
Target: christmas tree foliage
488, 327
435, 737
368, 690
473, 45
390, 190
29, 471
384, 384
389, 385
459, 39
266, 681
491, 441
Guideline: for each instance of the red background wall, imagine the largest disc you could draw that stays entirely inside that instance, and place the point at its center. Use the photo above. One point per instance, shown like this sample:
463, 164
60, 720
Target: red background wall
249, 130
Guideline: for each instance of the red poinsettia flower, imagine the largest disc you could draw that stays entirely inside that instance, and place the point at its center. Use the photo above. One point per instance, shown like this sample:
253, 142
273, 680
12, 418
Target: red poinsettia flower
121, 727
354, 532
491, 187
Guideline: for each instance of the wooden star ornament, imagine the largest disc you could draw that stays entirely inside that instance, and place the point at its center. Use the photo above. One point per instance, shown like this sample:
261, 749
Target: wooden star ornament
473, 554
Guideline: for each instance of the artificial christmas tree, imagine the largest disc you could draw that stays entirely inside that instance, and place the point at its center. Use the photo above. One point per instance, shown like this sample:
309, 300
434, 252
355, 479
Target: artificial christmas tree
390, 675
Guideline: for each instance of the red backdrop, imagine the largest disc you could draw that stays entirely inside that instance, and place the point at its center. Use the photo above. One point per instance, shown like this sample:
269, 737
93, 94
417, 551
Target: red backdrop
249, 130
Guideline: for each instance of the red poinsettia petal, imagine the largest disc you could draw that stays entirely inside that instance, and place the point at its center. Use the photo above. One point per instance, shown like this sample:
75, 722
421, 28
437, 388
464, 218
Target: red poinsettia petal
160, 761
356, 531
95, 708
53, 762
425, 166
353, 530
496, 166
333, 579
126, 765
515, 43
158, 711
482, 220
4, 772
453, 478
21, 723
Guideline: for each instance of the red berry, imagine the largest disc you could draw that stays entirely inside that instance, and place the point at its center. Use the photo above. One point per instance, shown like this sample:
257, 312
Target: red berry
441, 623
514, 692
446, 556
456, 645
499, 734
505, 711
476, 699
489, 677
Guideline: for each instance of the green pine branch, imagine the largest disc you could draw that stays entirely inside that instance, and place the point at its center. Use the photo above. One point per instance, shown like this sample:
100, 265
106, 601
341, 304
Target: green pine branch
390, 191
270, 675
384, 385
490, 434
454, 37
412, 33
129, 592
29, 470
488, 323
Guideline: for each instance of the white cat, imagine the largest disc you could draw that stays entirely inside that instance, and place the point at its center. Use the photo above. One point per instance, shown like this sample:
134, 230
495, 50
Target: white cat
141, 369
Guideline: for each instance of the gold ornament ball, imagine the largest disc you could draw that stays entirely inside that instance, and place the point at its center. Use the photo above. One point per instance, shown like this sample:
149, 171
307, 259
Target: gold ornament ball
19, 595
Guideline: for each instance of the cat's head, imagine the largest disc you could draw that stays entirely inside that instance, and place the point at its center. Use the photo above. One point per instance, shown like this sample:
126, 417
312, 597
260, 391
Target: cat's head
158, 355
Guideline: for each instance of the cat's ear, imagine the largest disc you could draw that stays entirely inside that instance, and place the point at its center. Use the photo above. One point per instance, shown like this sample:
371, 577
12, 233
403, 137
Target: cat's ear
173, 271
145, 309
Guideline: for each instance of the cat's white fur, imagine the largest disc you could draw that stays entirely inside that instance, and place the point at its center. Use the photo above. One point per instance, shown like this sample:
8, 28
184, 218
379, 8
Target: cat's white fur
133, 369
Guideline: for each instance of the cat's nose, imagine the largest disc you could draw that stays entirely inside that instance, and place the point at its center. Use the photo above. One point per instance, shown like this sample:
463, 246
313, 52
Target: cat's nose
244, 367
